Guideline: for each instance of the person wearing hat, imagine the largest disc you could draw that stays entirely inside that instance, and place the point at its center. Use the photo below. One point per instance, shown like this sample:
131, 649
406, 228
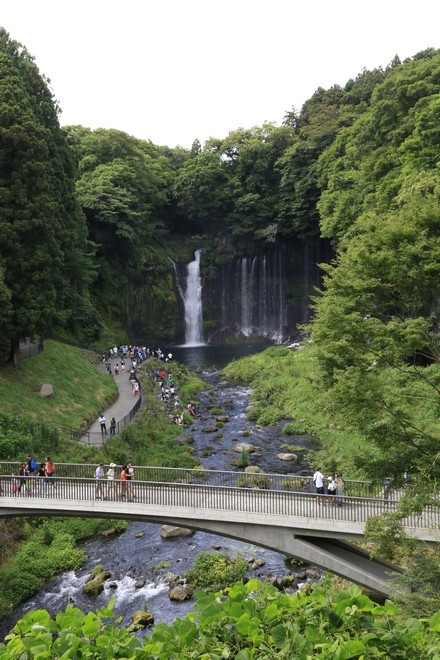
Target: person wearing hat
99, 475
331, 490
111, 479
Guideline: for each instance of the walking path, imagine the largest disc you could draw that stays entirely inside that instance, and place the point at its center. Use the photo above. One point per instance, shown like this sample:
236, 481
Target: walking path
121, 410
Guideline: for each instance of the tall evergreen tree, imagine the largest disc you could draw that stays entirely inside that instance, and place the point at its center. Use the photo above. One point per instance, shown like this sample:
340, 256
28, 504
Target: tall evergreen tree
44, 251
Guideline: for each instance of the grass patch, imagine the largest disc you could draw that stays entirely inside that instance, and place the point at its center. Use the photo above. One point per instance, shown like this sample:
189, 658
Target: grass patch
80, 390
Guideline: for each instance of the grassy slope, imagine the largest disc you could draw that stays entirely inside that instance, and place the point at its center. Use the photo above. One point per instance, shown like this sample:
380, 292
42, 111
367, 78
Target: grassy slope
79, 389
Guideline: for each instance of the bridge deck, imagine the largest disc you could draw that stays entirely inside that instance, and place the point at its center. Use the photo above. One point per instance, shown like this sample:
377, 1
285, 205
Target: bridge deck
161, 501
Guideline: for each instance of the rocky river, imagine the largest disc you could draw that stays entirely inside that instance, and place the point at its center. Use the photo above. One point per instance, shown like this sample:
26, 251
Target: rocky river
140, 561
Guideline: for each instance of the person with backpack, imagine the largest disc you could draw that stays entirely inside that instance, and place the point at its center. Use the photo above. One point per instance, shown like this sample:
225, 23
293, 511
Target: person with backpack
331, 490
32, 464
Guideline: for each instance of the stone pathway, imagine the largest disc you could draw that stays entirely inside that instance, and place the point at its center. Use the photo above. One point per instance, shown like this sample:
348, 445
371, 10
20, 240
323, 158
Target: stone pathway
121, 408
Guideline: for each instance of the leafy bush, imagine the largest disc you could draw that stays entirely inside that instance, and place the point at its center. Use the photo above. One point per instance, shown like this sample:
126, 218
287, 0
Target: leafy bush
253, 481
246, 621
215, 570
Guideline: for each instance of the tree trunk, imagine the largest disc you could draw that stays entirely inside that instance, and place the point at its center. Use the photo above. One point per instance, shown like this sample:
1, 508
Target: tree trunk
14, 353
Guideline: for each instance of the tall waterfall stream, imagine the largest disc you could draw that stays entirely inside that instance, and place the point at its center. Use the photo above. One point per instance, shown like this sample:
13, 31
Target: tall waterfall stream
139, 559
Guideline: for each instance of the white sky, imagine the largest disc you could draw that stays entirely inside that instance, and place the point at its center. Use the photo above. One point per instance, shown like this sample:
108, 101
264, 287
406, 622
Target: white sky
174, 70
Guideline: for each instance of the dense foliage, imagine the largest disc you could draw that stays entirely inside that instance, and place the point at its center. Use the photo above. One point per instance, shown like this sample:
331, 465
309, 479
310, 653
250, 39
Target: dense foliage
45, 253
247, 621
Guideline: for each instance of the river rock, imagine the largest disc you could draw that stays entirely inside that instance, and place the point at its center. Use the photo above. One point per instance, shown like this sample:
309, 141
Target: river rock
170, 531
139, 535
93, 587
209, 428
240, 447
184, 440
287, 457
222, 418
139, 583
253, 469
179, 592
46, 390
257, 563
109, 532
141, 619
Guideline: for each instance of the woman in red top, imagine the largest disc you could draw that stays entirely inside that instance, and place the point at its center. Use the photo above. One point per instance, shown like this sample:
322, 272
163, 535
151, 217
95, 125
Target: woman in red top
50, 469
123, 482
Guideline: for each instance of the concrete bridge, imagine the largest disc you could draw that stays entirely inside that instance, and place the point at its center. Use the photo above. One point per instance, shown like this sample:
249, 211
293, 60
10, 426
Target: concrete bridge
273, 511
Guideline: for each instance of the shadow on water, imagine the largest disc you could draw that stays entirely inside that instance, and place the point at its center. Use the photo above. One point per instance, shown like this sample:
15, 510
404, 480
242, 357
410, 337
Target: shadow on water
214, 357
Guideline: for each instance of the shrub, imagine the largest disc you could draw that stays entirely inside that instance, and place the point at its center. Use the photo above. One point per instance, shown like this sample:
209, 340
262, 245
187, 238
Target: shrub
215, 570
253, 481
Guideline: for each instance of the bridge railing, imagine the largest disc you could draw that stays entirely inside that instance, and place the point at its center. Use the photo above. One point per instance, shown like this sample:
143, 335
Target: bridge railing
266, 481
174, 497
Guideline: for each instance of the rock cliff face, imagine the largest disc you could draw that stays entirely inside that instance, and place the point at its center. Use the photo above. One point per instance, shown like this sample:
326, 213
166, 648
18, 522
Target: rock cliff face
266, 294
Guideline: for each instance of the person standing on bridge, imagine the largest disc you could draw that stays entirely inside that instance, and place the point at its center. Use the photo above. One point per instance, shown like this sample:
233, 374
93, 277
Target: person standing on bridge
339, 489
331, 490
111, 480
99, 476
318, 480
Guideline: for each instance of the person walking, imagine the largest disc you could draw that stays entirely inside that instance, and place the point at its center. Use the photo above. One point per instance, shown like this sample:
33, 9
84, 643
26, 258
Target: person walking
123, 482
112, 426
111, 480
22, 474
99, 476
41, 474
129, 482
331, 490
339, 489
49, 468
318, 480
103, 424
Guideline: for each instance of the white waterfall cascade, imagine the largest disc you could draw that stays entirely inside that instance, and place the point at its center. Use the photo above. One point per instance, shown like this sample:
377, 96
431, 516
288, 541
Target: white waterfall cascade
191, 294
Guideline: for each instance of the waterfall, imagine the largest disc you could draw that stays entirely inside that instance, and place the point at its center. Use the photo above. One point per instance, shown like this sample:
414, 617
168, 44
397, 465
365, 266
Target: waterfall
191, 295
252, 296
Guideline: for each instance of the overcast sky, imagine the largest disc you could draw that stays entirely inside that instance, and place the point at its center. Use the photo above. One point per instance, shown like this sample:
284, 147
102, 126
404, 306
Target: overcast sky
172, 71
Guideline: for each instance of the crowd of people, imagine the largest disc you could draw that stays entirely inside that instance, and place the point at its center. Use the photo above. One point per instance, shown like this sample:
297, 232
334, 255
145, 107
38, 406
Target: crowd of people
335, 488
33, 475
109, 487
170, 398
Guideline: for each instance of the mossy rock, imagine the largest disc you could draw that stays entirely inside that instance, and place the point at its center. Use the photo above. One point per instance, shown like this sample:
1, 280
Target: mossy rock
141, 619
93, 587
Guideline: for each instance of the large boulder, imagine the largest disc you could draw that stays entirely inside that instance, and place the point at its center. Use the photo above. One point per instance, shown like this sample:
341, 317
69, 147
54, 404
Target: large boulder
240, 447
141, 619
170, 531
287, 457
46, 390
210, 428
93, 588
179, 592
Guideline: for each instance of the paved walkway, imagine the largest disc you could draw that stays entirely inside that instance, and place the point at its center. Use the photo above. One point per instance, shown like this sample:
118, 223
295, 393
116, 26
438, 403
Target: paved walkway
122, 407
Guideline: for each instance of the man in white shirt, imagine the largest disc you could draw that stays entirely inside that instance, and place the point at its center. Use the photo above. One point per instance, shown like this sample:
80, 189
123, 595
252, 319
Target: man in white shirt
99, 475
103, 425
318, 480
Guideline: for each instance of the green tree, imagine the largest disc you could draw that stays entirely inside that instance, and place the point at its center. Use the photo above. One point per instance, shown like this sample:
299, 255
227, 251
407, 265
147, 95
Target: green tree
44, 252
123, 187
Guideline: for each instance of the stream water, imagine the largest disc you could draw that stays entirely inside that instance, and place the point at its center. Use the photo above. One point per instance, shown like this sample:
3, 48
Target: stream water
139, 559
